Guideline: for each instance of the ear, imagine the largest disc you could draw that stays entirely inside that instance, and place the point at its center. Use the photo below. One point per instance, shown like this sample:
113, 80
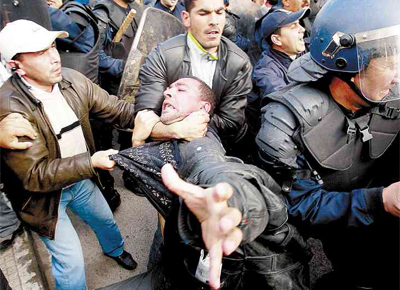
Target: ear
185, 18
276, 39
15, 66
206, 106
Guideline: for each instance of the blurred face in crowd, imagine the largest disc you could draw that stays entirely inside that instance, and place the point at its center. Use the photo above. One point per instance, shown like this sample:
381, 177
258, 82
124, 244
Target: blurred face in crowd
376, 81
170, 4
42, 69
259, 2
181, 99
295, 5
206, 21
290, 39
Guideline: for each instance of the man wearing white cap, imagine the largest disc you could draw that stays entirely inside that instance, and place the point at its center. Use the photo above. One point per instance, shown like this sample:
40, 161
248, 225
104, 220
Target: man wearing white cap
58, 169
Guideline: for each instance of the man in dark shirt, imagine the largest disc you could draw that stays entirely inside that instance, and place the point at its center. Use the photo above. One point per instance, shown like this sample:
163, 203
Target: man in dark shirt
282, 42
266, 235
172, 7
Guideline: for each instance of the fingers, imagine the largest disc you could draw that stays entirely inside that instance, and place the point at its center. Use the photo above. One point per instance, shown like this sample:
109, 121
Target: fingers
20, 145
215, 265
222, 192
111, 152
232, 241
205, 131
144, 123
391, 199
231, 218
25, 129
175, 184
101, 159
19, 125
201, 116
110, 164
146, 114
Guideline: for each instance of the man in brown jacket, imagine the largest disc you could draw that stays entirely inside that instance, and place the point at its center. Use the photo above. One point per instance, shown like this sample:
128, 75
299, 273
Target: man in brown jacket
58, 170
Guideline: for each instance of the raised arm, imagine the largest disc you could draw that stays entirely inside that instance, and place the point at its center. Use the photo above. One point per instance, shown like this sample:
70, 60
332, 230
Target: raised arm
218, 221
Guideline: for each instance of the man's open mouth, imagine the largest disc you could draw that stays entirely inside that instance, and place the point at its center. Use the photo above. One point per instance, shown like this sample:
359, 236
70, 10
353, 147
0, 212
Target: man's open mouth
212, 32
168, 106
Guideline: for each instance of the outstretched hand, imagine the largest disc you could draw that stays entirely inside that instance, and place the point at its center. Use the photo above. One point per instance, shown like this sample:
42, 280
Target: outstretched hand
218, 221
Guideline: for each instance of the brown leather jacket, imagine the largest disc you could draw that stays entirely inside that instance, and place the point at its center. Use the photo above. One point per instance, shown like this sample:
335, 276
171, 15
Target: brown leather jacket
35, 177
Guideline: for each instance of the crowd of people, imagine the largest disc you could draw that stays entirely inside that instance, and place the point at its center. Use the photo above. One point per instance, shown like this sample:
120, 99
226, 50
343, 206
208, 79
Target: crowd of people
246, 145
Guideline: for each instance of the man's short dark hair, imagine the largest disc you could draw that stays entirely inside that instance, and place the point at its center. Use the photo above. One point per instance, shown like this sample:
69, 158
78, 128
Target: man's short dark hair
207, 94
17, 57
189, 4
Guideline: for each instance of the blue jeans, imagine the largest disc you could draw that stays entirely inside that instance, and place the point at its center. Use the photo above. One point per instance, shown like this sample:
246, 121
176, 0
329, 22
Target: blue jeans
86, 201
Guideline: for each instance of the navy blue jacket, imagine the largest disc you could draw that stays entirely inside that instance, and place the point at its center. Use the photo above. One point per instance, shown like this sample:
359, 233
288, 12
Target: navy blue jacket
107, 64
61, 21
270, 72
232, 33
176, 12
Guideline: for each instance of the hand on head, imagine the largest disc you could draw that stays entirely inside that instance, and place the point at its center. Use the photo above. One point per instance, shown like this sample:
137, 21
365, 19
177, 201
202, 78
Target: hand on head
218, 221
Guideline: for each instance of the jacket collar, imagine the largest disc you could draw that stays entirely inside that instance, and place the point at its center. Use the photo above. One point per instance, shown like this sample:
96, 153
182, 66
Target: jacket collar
64, 84
222, 51
200, 49
282, 57
219, 79
23, 89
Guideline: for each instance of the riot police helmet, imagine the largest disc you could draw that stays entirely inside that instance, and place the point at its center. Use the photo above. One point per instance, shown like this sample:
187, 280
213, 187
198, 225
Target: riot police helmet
361, 39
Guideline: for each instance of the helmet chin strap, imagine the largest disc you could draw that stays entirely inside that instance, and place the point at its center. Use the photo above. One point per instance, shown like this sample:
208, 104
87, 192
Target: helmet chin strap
380, 108
348, 79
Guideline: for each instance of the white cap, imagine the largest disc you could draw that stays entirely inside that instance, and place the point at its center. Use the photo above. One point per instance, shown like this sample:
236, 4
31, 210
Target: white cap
22, 36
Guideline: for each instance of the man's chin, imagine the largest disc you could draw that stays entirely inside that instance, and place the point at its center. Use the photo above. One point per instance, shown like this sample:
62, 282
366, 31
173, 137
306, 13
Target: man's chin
168, 120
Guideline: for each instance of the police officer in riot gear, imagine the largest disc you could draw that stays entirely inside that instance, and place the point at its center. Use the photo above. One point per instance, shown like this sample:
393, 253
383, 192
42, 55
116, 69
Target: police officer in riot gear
111, 14
332, 139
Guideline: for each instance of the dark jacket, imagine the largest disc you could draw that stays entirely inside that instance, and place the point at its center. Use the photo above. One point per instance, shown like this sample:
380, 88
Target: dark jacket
112, 55
170, 61
232, 33
272, 254
35, 177
270, 72
334, 176
111, 17
80, 50
176, 12
80, 39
